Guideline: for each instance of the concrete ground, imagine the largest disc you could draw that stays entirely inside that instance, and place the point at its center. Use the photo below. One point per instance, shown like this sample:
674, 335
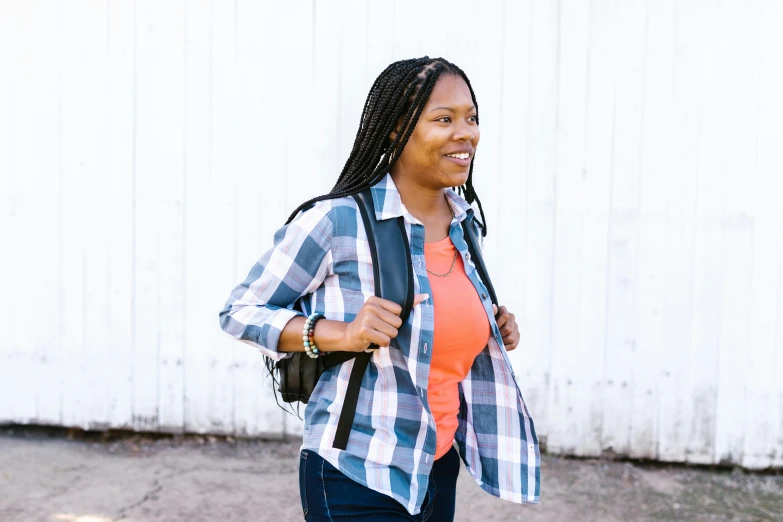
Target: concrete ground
75, 477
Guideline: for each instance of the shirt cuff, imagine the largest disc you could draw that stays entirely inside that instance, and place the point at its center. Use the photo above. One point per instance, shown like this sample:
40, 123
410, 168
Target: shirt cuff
276, 324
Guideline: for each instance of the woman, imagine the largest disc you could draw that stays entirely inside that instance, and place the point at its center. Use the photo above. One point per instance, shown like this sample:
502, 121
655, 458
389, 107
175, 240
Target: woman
441, 377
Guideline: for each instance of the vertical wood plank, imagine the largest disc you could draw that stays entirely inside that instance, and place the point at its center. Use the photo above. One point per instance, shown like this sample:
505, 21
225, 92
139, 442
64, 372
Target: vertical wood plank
738, 75
97, 359
405, 35
512, 227
773, 16
655, 166
28, 211
223, 164
586, 406
438, 40
379, 38
622, 305
487, 82
711, 186
254, 73
169, 77
326, 83
563, 434
37, 127
352, 74
763, 404
83, 272
540, 194
8, 266
146, 305
158, 306
120, 214
678, 309
457, 46
203, 222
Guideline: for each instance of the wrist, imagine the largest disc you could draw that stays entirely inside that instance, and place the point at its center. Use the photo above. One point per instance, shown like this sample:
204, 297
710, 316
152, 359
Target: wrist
330, 336
308, 336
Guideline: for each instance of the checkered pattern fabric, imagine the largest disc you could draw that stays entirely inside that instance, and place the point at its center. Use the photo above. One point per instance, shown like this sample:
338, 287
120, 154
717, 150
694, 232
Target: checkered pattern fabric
322, 259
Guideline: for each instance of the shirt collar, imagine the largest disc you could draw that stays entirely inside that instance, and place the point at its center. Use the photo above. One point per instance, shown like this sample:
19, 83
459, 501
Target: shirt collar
388, 203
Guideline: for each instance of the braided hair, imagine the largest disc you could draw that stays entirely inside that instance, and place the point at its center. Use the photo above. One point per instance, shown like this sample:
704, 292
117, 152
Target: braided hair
399, 94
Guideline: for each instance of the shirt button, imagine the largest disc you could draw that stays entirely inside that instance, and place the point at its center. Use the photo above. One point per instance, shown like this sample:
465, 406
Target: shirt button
425, 347
467, 257
483, 296
418, 263
427, 459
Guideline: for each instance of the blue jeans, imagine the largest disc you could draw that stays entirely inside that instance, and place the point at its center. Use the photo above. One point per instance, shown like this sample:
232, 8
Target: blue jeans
329, 495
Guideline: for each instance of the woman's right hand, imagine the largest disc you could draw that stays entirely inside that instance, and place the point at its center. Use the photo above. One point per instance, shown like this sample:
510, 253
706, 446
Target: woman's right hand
377, 322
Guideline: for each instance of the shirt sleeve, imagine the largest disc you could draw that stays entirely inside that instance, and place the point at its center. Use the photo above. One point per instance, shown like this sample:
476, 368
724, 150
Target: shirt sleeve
259, 308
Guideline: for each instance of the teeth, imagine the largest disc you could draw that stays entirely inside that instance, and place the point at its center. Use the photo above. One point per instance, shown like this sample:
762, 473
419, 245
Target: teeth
461, 155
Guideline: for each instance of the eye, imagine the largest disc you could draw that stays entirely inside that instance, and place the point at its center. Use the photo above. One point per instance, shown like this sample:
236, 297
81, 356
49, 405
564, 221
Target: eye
444, 119
474, 118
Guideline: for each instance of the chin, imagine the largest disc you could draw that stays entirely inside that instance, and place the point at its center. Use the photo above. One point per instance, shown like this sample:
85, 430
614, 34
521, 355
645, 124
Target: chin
458, 179
451, 177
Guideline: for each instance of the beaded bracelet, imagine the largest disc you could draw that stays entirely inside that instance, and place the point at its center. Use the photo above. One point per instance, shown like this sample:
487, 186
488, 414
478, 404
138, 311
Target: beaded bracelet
308, 336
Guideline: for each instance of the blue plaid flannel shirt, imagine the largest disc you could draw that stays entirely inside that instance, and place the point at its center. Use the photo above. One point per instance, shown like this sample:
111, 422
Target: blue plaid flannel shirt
322, 258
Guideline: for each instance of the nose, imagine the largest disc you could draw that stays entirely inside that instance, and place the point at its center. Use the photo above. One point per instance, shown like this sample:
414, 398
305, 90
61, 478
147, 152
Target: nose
465, 132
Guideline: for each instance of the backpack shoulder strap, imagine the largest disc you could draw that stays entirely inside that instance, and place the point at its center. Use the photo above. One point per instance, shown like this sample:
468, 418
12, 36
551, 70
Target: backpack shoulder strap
468, 226
393, 275
392, 271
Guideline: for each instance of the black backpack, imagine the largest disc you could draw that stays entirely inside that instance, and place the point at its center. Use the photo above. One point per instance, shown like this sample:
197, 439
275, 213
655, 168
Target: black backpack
298, 374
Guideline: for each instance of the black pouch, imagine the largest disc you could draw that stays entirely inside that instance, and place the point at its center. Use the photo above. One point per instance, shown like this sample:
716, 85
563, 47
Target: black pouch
297, 376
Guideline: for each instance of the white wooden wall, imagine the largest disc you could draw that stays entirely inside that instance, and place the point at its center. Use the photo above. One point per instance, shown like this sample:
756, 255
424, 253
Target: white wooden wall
631, 166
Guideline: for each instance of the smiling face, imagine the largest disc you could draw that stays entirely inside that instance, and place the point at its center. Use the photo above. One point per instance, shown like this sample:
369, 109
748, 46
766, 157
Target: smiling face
443, 143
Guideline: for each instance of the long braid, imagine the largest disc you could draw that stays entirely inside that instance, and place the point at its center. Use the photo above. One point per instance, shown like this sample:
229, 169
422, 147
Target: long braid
397, 97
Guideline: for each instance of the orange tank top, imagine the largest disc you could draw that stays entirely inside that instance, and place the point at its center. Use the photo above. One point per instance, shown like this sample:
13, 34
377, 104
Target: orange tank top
461, 333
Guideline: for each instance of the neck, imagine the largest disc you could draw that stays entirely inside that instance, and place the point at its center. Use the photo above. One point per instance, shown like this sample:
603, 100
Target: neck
421, 201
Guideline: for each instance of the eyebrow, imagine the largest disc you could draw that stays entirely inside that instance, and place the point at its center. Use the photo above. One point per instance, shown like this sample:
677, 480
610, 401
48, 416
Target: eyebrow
450, 109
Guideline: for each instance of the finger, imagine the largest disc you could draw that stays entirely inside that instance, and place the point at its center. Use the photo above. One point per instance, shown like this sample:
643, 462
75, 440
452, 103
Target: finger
390, 306
501, 319
380, 339
371, 335
495, 310
420, 298
511, 341
389, 318
381, 326
509, 325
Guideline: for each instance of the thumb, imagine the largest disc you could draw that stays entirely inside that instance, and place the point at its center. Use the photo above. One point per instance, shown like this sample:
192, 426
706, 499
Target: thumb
495, 309
420, 298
